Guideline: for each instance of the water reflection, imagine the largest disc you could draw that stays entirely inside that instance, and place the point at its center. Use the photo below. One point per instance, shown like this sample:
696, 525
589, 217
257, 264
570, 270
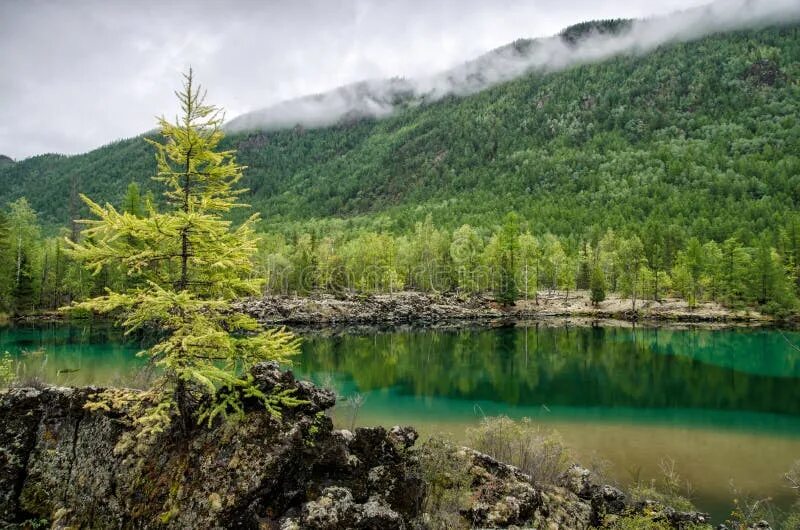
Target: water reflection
733, 370
724, 404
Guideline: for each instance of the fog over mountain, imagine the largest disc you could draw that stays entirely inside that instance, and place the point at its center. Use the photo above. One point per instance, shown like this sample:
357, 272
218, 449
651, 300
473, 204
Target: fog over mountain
378, 98
78, 75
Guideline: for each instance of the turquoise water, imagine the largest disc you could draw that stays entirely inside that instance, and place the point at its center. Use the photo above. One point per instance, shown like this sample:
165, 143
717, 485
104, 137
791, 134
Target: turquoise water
723, 404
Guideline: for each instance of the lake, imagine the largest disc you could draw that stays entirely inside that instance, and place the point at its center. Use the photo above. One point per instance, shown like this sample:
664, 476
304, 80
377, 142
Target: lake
723, 404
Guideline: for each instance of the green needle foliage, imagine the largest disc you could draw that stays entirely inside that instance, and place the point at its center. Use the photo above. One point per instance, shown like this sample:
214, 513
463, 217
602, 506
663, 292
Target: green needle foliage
597, 286
508, 249
183, 267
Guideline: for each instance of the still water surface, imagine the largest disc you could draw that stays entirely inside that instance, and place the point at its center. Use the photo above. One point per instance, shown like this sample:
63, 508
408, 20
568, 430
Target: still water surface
723, 404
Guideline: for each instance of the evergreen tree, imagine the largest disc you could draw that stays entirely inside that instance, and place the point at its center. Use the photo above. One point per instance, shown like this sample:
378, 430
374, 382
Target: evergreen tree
584, 278
530, 255
304, 264
132, 203
653, 241
735, 263
23, 293
597, 286
330, 266
189, 262
427, 256
5, 263
24, 233
632, 260
554, 259
770, 285
688, 270
566, 277
508, 248
465, 251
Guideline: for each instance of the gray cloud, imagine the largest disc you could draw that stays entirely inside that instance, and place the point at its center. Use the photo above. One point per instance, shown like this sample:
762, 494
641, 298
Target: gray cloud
77, 75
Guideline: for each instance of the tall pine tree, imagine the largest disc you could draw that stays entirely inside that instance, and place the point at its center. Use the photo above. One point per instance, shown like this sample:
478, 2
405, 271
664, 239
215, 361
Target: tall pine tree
186, 264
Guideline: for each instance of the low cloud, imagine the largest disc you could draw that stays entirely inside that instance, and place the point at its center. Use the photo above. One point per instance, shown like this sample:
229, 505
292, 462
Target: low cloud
380, 98
79, 74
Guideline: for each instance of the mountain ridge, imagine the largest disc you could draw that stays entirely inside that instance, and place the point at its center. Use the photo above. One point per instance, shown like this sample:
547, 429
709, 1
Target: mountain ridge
681, 134
378, 98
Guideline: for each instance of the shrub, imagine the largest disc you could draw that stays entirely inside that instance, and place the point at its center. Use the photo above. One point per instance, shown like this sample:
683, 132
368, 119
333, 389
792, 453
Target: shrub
539, 453
669, 490
29, 369
7, 370
642, 522
792, 520
447, 483
639, 522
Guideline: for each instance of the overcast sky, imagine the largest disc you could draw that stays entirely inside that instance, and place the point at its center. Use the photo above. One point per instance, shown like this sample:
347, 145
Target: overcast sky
77, 75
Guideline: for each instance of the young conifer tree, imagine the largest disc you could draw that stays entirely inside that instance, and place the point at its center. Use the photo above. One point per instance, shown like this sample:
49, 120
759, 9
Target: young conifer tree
5, 263
509, 248
186, 264
597, 285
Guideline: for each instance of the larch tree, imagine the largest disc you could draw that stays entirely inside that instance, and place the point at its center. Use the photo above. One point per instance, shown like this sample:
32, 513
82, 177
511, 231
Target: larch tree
132, 203
5, 263
631, 256
530, 254
508, 247
24, 234
597, 285
465, 253
185, 265
23, 293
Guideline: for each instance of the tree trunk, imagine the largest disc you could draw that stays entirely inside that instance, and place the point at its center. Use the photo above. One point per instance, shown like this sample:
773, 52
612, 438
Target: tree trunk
182, 402
19, 256
43, 286
185, 231
57, 283
655, 288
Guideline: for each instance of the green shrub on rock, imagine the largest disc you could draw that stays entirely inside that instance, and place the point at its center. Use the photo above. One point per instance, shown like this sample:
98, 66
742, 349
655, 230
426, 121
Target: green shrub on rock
537, 452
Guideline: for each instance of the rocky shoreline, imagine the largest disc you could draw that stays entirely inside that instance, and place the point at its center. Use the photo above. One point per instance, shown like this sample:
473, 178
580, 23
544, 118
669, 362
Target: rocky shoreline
432, 310
63, 466
437, 310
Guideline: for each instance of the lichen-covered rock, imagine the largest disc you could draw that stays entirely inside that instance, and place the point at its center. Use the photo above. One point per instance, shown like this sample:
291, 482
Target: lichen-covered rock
560, 508
605, 500
503, 496
578, 480
403, 436
675, 518
61, 462
759, 525
333, 509
336, 509
21, 415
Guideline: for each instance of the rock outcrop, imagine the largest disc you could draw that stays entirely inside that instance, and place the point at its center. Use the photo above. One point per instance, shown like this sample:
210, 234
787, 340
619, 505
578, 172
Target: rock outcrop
63, 465
61, 462
398, 308
448, 309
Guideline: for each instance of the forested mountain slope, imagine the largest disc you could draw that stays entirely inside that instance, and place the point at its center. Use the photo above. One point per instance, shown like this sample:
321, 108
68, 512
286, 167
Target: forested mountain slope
703, 136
